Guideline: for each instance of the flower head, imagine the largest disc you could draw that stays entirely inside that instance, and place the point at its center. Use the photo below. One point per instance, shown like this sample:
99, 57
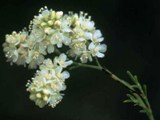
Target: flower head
50, 31
12, 46
47, 84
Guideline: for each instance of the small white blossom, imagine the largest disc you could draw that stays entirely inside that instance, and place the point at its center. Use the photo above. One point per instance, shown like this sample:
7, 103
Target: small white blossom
57, 39
38, 34
62, 61
85, 57
77, 48
97, 49
97, 36
34, 58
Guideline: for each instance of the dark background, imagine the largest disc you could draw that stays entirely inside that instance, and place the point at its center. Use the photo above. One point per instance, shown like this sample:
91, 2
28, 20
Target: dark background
132, 32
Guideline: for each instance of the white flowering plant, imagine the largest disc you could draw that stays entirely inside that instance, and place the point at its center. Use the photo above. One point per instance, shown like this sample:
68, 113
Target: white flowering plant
74, 41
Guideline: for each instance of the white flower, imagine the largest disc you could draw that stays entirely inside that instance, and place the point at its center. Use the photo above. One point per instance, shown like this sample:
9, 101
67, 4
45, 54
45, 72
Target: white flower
50, 48
61, 75
11, 54
97, 36
97, 49
61, 61
16, 38
37, 34
48, 32
34, 58
47, 20
59, 14
47, 84
89, 25
85, 57
85, 22
86, 40
78, 47
42, 46
40, 91
47, 64
12, 46
57, 39
22, 56
13, 39
51, 29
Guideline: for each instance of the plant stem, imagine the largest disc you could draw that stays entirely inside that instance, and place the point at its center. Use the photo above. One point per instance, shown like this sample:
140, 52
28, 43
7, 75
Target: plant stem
99, 67
150, 113
116, 78
85, 65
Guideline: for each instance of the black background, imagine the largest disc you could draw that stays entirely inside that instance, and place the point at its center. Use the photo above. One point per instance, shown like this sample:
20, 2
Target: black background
132, 32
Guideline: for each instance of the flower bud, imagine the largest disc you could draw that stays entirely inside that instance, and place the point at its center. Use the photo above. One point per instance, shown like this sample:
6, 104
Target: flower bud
50, 22
57, 23
59, 14
38, 95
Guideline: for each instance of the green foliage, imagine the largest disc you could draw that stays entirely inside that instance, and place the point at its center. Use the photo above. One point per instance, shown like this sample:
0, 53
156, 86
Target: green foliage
138, 96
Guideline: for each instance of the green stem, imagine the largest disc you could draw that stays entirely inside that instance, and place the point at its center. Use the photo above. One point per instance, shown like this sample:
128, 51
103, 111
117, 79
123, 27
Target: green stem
116, 78
99, 67
98, 62
85, 65
113, 76
150, 113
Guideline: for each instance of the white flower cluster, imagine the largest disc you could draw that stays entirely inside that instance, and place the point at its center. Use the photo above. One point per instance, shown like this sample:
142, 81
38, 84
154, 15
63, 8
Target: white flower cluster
49, 81
21, 49
49, 31
85, 38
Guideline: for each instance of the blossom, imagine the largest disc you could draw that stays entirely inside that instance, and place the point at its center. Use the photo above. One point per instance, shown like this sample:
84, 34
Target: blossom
47, 84
86, 39
59, 38
47, 20
85, 57
50, 32
61, 61
34, 58
12, 45
97, 49
97, 36
37, 34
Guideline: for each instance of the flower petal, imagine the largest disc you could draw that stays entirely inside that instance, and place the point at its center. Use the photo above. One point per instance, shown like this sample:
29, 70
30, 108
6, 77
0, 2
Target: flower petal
100, 55
91, 46
102, 48
65, 74
97, 34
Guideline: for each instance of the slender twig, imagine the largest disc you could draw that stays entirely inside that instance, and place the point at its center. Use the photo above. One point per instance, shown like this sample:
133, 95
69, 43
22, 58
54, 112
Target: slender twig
85, 65
98, 63
140, 100
116, 78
